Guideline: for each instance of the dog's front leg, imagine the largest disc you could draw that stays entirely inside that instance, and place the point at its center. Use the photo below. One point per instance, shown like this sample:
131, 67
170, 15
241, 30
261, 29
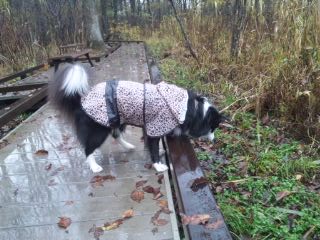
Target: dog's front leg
153, 145
94, 166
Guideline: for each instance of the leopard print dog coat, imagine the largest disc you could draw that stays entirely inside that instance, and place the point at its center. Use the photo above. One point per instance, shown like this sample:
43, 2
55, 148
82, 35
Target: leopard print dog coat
112, 103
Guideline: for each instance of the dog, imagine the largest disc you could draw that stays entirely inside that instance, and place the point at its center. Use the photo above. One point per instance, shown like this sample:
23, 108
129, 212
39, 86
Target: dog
106, 108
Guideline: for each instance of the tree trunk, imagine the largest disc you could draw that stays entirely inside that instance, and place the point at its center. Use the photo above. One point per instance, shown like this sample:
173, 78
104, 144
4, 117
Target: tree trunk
104, 16
239, 22
115, 10
148, 7
93, 31
268, 15
133, 11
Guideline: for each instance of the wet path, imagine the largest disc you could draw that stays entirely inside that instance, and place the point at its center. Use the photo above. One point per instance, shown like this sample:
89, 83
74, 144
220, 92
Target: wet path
38, 188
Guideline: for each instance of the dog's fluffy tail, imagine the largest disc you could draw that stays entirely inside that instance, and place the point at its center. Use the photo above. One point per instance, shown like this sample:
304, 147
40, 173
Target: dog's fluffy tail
69, 84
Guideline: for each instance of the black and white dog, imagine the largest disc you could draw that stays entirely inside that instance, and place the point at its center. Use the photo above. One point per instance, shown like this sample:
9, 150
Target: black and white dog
162, 109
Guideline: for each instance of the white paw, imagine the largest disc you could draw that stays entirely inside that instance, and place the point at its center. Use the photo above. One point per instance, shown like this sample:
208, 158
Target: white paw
96, 168
160, 167
129, 146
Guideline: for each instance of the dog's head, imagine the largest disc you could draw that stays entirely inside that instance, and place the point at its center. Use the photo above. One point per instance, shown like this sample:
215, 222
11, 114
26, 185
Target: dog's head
207, 119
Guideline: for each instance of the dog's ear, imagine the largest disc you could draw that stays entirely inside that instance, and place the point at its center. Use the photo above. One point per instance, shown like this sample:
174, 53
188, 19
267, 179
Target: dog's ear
201, 99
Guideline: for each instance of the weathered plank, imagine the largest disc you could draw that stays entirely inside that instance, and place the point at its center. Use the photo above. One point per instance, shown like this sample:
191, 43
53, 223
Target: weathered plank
21, 74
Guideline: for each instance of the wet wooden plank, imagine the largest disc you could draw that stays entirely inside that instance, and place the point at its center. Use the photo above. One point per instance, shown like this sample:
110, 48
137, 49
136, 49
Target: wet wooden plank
130, 230
186, 169
32, 198
22, 105
22, 74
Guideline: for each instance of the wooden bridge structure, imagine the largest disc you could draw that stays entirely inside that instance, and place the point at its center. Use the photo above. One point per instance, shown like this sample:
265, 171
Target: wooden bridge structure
44, 179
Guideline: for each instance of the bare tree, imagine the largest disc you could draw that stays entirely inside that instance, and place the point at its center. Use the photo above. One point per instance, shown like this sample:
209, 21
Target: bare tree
239, 21
93, 30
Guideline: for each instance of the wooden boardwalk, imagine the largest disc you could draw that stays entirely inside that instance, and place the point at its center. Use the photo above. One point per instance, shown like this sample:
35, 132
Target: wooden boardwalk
37, 189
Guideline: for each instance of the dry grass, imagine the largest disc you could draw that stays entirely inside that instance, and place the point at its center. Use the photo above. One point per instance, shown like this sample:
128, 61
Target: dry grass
280, 70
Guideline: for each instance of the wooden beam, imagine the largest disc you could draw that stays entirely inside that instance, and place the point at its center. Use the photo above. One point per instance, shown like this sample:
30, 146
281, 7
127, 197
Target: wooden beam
22, 105
21, 74
185, 170
21, 87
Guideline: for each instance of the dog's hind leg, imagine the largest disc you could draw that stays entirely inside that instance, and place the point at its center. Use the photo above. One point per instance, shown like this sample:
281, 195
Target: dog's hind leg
153, 145
118, 136
91, 135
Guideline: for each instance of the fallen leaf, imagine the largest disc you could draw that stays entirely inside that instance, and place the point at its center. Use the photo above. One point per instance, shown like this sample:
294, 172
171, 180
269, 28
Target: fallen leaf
148, 165
199, 183
69, 203
166, 210
160, 178
15, 193
162, 203
52, 182
155, 216
48, 167
98, 180
54, 172
110, 226
195, 219
148, 189
41, 152
97, 231
137, 196
127, 214
215, 225
90, 194
154, 230
282, 195
265, 120
219, 189
64, 222
157, 196
141, 183
160, 222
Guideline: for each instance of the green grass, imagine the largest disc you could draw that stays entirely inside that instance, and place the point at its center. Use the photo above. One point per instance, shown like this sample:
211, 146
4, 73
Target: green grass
261, 162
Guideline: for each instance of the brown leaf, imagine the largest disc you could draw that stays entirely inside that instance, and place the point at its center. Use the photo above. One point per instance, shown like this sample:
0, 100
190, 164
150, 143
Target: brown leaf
219, 189
160, 222
137, 196
162, 203
54, 172
41, 152
52, 182
199, 183
90, 194
98, 180
160, 178
265, 120
195, 219
215, 225
155, 216
97, 231
141, 183
166, 210
148, 165
48, 167
148, 189
282, 195
154, 230
110, 226
69, 202
127, 214
64, 222
157, 196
